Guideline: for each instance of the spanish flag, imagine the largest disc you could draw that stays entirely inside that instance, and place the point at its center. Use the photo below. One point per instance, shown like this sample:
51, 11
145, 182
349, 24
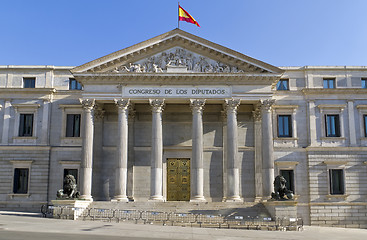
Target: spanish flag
185, 16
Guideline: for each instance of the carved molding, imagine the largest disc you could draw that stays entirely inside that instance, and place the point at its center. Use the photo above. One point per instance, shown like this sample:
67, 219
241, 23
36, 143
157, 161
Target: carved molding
157, 105
178, 57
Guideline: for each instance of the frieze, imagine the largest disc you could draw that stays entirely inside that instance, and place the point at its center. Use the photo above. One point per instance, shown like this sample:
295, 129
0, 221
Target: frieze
177, 57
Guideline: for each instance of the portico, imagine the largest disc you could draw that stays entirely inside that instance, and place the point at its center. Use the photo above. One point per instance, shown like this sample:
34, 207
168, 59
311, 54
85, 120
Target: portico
189, 99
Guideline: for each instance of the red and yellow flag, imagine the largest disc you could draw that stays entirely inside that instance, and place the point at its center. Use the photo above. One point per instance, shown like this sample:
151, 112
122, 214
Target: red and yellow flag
185, 16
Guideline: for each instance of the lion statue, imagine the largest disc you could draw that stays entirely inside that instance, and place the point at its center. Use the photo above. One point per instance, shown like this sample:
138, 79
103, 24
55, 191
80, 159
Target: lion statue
69, 189
280, 190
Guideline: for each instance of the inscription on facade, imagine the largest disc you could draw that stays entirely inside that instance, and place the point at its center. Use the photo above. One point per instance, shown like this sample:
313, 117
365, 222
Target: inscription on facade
167, 91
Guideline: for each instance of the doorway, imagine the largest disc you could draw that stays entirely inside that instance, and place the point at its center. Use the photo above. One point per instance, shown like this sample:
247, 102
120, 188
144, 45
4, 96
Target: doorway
178, 179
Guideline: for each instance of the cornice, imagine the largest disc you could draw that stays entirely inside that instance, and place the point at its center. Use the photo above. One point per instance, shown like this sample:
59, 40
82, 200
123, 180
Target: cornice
28, 90
322, 91
174, 78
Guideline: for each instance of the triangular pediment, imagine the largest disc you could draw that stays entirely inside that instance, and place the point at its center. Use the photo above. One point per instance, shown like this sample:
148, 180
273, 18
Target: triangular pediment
176, 52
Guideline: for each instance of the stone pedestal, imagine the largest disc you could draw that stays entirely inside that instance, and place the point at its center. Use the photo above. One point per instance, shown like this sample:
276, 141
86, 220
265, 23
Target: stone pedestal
282, 209
69, 209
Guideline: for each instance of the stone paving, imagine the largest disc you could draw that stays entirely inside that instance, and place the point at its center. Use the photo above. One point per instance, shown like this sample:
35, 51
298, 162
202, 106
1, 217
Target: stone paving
15, 222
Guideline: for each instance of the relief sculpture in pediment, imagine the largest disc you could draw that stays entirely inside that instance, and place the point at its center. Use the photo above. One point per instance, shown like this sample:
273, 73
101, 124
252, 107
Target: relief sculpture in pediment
177, 58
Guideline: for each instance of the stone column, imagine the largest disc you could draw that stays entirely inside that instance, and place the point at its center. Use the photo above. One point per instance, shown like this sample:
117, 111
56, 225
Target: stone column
122, 145
156, 175
87, 149
258, 158
197, 164
233, 171
267, 148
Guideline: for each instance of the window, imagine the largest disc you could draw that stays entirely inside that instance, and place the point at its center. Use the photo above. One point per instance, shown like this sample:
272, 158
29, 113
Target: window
20, 184
365, 125
29, 82
329, 82
336, 180
73, 125
74, 172
289, 177
26, 125
283, 84
284, 126
364, 82
332, 125
74, 84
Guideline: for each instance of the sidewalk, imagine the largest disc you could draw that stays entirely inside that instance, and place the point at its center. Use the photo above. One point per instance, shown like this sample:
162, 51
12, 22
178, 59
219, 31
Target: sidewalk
20, 223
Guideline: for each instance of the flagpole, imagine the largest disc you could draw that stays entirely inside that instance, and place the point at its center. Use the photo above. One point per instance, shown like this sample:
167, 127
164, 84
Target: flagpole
178, 17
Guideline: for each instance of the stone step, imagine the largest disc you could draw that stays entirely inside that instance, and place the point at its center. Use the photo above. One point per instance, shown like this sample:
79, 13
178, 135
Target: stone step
247, 209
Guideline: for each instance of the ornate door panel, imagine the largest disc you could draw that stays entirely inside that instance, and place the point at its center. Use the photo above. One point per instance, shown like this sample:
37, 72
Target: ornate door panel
178, 179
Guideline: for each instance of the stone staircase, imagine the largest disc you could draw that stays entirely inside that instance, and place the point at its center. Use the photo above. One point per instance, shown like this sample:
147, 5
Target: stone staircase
248, 210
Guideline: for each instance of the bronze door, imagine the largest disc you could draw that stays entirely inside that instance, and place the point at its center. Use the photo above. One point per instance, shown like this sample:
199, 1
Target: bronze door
178, 179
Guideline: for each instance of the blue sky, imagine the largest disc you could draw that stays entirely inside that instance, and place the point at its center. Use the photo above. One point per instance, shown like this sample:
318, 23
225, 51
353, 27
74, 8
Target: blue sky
279, 32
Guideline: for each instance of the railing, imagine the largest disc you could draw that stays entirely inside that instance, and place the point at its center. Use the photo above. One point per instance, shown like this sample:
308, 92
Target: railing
176, 219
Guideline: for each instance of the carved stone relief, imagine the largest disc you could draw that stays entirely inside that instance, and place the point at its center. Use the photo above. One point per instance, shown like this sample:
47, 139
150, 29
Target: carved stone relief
177, 57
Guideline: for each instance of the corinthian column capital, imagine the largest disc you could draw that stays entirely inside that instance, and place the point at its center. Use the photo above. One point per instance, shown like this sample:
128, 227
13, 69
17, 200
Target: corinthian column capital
87, 104
157, 105
197, 105
267, 104
231, 105
122, 104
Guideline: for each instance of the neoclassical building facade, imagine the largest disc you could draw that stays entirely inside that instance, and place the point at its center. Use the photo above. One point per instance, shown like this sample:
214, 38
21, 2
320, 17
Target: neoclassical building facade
179, 118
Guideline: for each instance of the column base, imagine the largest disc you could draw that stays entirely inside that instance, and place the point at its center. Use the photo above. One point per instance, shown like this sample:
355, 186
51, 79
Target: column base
156, 199
234, 199
198, 199
120, 199
86, 197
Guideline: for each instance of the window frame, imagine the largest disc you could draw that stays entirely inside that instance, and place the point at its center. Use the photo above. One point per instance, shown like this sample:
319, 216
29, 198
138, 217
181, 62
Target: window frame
328, 80
332, 109
25, 109
362, 109
285, 110
23, 118
280, 86
33, 82
71, 109
329, 131
333, 164
289, 126
342, 182
282, 165
72, 125
364, 82
17, 181
20, 164
68, 164
78, 85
